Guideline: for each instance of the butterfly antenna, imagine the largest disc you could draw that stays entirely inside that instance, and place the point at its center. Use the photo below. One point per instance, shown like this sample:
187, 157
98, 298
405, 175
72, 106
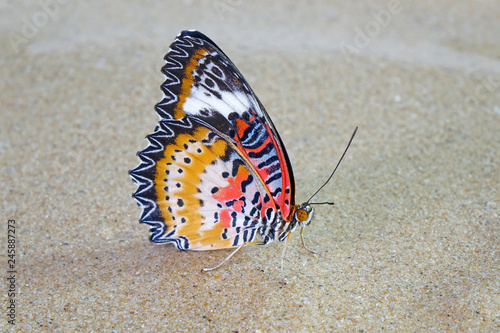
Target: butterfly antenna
345, 151
321, 203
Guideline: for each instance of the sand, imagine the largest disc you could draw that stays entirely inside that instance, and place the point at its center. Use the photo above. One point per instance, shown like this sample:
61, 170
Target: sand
412, 243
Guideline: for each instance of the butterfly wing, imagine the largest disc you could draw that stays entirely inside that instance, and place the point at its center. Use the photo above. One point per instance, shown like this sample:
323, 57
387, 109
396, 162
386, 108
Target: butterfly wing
215, 173
197, 191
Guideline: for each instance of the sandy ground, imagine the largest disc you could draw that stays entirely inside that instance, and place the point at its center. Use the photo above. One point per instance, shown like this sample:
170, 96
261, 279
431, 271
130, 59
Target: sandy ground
412, 243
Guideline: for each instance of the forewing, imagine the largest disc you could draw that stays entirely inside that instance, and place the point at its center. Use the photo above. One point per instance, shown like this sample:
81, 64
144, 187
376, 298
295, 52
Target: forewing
202, 82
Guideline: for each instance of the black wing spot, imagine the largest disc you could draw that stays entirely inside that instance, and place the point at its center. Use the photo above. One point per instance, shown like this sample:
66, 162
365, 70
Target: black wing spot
217, 71
246, 222
256, 197
269, 213
245, 183
273, 178
180, 170
180, 202
187, 160
269, 161
225, 174
209, 82
276, 192
215, 189
253, 211
264, 151
178, 185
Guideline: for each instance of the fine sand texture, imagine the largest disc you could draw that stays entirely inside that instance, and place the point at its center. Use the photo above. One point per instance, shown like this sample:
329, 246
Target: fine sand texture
412, 243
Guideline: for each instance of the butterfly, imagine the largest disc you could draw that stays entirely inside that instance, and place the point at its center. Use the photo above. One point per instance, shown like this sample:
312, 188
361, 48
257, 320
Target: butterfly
215, 173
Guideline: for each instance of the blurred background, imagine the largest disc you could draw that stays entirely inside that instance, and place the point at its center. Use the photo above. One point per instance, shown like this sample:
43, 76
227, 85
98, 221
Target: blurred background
413, 241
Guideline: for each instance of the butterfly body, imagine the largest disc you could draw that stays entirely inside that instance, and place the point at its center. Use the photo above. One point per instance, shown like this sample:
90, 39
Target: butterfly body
215, 173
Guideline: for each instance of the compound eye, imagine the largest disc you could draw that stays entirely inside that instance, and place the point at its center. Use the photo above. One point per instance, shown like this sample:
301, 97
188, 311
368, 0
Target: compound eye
302, 215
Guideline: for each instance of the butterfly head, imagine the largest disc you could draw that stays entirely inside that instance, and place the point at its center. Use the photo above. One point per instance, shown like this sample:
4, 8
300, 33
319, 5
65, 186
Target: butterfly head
304, 214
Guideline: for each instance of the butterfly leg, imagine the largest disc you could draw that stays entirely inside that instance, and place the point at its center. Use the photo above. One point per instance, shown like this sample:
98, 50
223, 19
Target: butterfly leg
283, 258
229, 256
304, 243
